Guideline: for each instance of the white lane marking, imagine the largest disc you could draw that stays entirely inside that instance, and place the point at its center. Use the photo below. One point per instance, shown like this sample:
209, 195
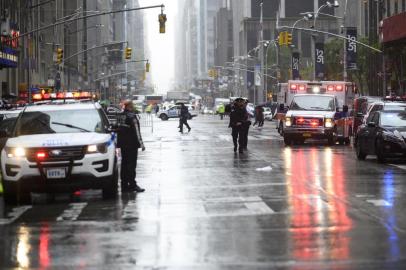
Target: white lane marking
259, 208
379, 202
403, 167
72, 214
130, 211
225, 137
14, 215
264, 169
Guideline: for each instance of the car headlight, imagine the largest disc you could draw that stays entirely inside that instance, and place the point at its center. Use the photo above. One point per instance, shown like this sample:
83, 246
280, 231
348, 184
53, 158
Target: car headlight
15, 152
288, 121
391, 137
328, 123
97, 148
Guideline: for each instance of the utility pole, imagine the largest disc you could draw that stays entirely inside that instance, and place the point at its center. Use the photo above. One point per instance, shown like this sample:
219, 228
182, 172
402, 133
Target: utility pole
261, 89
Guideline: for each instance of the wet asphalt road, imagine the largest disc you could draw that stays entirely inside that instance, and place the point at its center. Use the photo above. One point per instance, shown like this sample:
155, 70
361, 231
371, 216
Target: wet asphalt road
302, 207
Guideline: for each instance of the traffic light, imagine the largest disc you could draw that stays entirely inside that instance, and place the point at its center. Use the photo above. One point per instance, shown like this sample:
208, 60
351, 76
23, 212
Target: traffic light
59, 55
282, 38
162, 21
288, 37
127, 53
147, 65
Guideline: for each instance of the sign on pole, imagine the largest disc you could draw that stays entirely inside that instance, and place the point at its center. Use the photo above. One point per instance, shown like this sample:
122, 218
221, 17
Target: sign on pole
257, 75
319, 60
351, 48
295, 66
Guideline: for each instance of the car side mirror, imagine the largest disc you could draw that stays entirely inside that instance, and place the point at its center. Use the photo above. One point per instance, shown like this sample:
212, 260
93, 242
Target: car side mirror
371, 124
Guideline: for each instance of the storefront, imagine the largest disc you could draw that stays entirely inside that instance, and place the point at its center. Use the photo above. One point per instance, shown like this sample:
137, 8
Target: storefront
393, 38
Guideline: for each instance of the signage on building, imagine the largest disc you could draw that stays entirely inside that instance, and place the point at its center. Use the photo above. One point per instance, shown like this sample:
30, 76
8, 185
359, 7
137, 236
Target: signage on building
295, 66
8, 58
351, 48
319, 54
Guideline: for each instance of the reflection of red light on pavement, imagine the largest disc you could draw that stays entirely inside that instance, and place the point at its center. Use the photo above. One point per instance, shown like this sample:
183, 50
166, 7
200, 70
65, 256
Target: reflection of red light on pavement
318, 227
44, 259
77, 193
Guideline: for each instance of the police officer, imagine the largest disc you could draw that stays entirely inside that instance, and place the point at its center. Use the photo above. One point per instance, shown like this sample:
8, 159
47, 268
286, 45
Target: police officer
184, 115
238, 117
129, 140
246, 126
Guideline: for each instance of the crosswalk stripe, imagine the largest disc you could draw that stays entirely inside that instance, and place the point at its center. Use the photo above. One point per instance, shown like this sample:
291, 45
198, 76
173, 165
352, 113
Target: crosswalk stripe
403, 167
14, 215
72, 213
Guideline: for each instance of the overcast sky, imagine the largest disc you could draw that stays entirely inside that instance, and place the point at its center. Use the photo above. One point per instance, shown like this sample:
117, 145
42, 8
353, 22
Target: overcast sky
161, 46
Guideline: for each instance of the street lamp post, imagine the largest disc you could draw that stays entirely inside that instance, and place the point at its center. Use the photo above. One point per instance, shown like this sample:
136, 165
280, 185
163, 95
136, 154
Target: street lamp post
328, 4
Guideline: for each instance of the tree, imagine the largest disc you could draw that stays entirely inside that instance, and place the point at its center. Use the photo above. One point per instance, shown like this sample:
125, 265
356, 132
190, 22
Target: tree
334, 59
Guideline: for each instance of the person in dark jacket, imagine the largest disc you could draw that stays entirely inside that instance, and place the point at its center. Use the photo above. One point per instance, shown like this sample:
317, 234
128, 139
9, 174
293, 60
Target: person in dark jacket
129, 140
184, 115
259, 116
238, 118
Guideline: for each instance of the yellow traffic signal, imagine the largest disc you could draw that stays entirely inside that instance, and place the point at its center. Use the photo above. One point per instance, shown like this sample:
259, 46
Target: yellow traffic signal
282, 38
59, 55
147, 65
162, 20
288, 37
127, 53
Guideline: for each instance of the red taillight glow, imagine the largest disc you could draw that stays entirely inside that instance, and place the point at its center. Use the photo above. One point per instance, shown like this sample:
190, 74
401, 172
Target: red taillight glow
300, 120
330, 88
302, 87
37, 96
60, 95
339, 88
293, 87
41, 155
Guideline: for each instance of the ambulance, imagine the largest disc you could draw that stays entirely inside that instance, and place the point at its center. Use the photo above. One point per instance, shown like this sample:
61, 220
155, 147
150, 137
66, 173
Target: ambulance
315, 110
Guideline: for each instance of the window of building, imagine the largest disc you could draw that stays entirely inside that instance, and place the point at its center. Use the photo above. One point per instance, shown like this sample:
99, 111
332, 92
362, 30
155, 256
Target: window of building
403, 5
388, 11
396, 7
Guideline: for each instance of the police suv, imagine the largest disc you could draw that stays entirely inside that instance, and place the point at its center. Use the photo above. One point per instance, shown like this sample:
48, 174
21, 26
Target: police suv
59, 148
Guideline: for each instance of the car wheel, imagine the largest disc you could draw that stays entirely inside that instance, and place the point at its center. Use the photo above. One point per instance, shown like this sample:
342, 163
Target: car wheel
111, 188
379, 153
163, 117
360, 152
287, 140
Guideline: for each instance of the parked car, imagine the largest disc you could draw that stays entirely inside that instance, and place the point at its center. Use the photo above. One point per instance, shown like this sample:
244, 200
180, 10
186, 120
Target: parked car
384, 135
360, 109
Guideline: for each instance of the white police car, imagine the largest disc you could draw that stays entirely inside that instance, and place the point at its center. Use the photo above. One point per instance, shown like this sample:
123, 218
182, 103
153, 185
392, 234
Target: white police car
59, 148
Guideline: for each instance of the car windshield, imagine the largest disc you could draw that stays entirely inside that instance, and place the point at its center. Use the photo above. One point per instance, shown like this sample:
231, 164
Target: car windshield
393, 119
313, 103
60, 121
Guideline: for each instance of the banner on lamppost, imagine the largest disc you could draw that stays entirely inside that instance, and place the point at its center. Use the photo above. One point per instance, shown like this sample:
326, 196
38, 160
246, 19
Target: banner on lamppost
257, 73
295, 66
319, 54
351, 48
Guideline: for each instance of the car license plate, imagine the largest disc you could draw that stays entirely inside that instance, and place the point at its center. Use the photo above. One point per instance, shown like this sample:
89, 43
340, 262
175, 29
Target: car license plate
307, 135
56, 173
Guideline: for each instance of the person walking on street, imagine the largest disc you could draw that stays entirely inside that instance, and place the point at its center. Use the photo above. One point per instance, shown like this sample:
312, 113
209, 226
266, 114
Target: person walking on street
184, 115
238, 117
259, 116
129, 140
221, 110
246, 125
